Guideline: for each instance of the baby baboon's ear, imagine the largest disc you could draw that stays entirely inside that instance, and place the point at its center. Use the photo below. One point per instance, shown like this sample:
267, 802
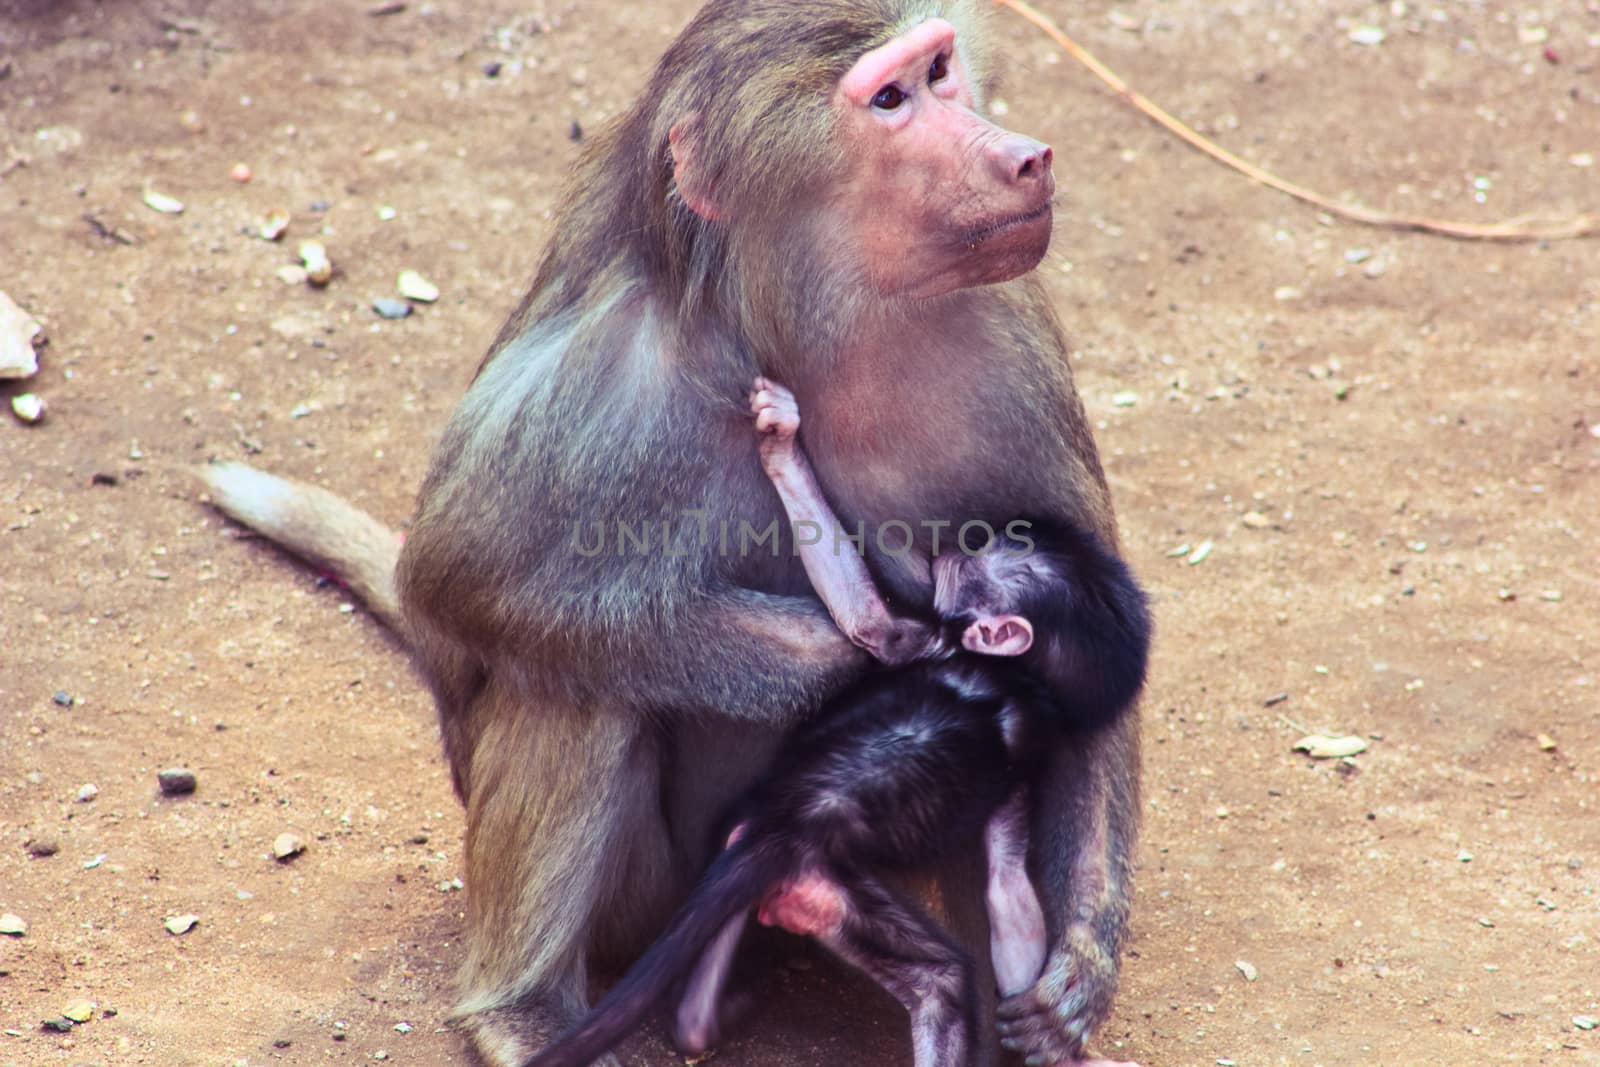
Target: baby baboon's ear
999, 635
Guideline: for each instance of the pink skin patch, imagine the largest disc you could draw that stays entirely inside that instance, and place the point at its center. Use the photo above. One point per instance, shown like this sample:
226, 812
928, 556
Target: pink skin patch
810, 905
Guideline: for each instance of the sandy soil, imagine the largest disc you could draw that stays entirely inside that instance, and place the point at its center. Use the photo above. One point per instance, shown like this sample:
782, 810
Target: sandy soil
1398, 475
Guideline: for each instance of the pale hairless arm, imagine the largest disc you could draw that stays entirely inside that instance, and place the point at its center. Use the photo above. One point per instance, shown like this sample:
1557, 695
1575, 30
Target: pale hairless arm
837, 572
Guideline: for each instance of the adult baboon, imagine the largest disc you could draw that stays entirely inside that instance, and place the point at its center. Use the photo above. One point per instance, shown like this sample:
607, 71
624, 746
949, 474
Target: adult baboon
807, 191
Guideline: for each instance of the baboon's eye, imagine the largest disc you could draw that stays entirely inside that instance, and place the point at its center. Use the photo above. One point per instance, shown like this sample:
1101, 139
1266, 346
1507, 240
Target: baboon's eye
888, 98
940, 69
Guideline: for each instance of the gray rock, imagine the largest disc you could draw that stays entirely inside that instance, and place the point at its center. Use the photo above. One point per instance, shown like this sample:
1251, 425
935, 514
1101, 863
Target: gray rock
177, 781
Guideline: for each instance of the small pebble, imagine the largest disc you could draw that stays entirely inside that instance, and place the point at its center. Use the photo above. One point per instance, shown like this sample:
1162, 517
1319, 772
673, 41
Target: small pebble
57, 1026
1247, 969
1376, 268
62, 698
1368, 35
94, 861
1357, 255
390, 308
241, 173
1463, 856
319, 268
176, 781
292, 274
1201, 551
12, 925
1546, 743
1321, 746
402, 1028
43, 847
1125, 400
1255, 520
29, 407
273, 226
1551, 595
163, 203
79, 1011
87, 792
575, 132
17, 332
387, 213
1585, 1022
416, 287
1285, 293
181, 924
287, 846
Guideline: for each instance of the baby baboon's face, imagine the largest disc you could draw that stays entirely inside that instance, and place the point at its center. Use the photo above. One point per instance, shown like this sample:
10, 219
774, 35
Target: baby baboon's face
994, 581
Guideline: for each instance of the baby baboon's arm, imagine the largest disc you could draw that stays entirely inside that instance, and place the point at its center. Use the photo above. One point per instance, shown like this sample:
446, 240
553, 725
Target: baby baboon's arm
835, 567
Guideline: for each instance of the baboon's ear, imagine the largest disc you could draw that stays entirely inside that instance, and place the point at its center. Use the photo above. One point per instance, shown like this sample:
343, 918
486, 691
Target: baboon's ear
999, 635
694, 187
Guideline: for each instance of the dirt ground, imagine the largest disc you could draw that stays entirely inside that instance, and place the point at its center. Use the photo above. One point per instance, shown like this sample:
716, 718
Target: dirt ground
1390, 442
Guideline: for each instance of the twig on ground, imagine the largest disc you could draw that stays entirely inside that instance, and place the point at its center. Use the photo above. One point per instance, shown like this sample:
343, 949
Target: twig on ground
1531, 227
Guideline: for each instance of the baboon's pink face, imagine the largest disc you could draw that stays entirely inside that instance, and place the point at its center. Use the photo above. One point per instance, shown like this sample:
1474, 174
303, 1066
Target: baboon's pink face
937, 197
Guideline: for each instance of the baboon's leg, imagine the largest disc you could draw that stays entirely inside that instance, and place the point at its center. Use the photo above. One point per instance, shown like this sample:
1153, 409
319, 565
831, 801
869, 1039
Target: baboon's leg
547, 849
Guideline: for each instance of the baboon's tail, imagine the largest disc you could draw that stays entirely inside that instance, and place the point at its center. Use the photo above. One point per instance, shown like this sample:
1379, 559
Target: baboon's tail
735, 880
317, 526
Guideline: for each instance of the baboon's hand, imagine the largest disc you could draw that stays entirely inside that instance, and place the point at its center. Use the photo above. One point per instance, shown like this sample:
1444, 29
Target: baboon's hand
777, 419
1050, 1023
901, 641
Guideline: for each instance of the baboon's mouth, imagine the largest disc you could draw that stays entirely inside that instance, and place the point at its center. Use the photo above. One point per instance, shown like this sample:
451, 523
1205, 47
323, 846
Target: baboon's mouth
977, 236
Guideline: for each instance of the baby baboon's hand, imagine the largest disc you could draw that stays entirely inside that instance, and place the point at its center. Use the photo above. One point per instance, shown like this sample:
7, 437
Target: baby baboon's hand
898, 641
777, 419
